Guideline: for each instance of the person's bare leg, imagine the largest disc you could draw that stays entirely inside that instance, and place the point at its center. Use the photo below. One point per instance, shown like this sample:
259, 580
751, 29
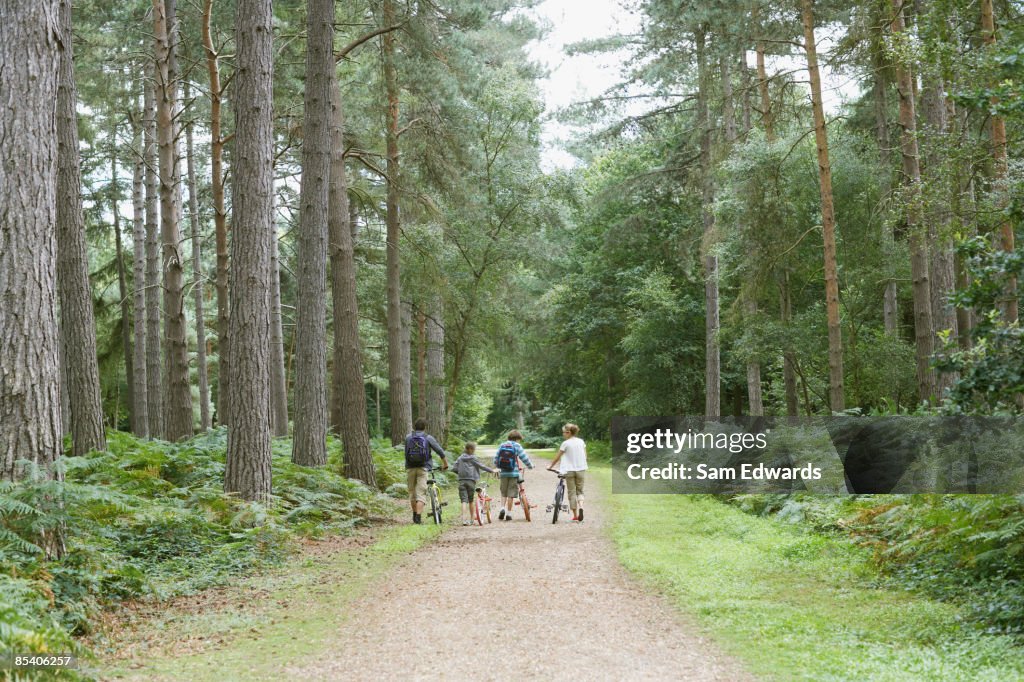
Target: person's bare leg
418, 507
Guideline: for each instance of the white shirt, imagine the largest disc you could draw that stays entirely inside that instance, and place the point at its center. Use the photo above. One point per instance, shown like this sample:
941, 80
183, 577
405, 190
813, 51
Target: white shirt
574, 455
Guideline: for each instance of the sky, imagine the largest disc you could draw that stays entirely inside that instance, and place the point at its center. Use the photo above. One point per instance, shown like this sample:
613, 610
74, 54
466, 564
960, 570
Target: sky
582, 77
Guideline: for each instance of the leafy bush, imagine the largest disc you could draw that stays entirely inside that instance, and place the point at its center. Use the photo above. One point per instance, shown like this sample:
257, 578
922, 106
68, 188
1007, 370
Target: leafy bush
533, 439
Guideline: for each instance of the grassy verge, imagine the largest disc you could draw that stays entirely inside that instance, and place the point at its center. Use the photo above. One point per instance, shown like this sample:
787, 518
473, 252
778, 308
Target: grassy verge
794, 604
254, 630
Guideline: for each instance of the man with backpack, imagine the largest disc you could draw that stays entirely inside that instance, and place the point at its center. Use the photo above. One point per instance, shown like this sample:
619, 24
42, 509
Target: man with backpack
506, 460
419, 461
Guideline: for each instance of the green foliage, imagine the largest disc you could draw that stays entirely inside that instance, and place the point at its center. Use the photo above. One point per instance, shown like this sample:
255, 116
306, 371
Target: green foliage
992, 370
967, 549
149, 519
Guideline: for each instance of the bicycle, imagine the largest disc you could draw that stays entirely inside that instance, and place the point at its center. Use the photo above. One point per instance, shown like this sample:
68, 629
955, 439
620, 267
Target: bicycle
523, 499
482, 504
436, 502
557, 506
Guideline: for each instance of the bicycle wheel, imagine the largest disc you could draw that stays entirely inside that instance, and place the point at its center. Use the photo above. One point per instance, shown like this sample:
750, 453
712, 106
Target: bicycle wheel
435, 505
477, 503
525, 501
559, 491
487, 508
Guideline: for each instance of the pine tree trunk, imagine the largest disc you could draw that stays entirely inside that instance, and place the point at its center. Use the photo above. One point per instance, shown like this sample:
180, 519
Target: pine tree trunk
248, 457
154, 340
309, 439
788, 355
30, 413
399, 382
421, 366
1000, 171
348, 385
837, 400
435, 369
122, 287
923, 331
65, 408
220, 223
141, 390
941, 261
712, 365
890, 309
197, 272
178, 406
963, 188
78, 329
278, 377
766, 102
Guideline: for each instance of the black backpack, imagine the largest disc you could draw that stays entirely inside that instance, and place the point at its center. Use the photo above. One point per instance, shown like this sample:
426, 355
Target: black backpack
507, 457
417, 449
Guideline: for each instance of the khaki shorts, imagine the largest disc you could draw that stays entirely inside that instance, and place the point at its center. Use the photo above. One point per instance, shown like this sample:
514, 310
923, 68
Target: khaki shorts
467, 490
510, 486
416, 479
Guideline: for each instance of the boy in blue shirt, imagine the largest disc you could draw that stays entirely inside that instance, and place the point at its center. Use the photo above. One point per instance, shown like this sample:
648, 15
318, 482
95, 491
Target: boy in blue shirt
506, 460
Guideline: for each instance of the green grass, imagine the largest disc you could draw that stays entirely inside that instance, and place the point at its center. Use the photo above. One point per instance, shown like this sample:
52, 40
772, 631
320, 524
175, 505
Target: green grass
290, 617
795, 605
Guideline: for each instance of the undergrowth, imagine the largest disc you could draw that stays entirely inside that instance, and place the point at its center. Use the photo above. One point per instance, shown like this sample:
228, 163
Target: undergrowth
149, 519
967, 549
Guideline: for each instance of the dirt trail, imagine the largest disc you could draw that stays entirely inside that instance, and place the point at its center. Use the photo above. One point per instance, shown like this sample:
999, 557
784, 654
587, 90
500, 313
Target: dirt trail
517, 600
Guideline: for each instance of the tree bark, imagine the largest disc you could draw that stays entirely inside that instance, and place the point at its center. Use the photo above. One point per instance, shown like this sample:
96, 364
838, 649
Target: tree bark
309, 439
248, 455
766, 102
788, 356
435, 369
30, 415
754, 396
278, 376
197, 272
399, 380
837, 400
923, 331
78, 329
712, 364
178, 406
154, 341
220, 225
421, 365
141, 390
348, 385
941, 261
122, 286
890, 309
1000, 171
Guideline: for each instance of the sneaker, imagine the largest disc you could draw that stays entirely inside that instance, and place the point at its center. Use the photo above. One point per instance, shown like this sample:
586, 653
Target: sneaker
465, 523
416, 518
579, 514
501, 514
508, 517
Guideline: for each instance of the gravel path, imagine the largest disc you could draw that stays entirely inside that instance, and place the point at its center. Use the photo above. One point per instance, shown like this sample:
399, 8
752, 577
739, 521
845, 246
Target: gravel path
517, 600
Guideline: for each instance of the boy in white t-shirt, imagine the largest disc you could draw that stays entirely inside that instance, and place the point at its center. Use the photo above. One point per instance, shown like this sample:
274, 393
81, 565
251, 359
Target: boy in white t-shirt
571, 462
